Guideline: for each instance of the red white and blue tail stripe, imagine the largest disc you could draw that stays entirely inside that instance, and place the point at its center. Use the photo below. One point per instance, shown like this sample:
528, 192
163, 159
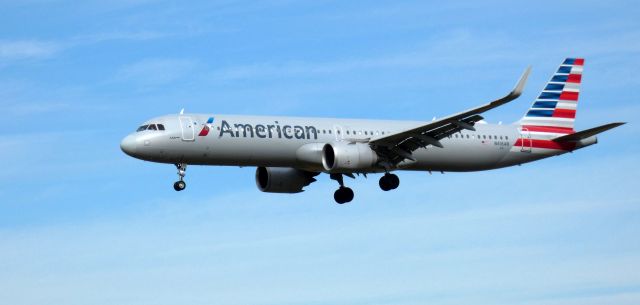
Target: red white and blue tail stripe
554, 111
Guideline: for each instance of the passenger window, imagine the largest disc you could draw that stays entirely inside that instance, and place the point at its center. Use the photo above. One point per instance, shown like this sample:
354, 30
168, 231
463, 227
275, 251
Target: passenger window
152, 127
467, 136
507, 138
484, 137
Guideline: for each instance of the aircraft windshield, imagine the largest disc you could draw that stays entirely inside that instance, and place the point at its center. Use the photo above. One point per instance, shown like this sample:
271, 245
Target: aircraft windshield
150, 127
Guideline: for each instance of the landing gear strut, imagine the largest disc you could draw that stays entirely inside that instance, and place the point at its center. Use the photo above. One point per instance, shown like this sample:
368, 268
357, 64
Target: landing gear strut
343, 194
180, 184
389, 182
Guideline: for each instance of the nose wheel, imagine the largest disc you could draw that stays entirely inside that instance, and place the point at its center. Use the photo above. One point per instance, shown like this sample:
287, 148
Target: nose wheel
389, 182
180, 184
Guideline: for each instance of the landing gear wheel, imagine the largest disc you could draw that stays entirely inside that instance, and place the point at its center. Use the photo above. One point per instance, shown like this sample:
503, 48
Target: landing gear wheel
384, 183
343, 195
389, 182
395, 181
179, 186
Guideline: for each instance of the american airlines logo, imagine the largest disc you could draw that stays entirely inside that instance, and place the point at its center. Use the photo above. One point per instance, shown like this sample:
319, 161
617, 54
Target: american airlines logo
205, 129
263, 131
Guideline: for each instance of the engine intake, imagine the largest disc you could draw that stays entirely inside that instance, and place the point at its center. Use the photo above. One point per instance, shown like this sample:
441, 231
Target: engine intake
348, 156
283, 179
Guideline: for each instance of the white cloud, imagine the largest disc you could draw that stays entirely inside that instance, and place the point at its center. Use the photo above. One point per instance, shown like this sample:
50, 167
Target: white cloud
15, 50
183, 251
435, 52
156, 71
27, 49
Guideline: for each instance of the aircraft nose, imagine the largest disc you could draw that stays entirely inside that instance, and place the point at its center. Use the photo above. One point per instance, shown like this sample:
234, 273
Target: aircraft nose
129, 145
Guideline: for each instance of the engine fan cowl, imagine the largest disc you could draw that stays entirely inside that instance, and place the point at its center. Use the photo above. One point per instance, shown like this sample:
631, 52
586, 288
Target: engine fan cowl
340, 156
283, 179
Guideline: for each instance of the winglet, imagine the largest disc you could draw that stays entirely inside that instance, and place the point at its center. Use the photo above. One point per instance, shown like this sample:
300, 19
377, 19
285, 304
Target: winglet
521, 83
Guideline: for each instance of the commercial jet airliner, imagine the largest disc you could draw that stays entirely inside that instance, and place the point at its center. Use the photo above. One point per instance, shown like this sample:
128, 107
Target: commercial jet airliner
290, 151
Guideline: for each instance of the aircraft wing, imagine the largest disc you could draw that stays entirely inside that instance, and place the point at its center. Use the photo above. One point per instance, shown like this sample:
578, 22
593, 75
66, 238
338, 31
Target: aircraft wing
399, 146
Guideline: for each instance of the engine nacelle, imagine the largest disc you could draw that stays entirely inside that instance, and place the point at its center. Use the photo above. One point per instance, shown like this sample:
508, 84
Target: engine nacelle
348, 156
282, 179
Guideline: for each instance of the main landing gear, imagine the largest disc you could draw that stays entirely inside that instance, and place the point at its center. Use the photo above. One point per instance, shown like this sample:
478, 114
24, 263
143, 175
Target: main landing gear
180, 184
343, 194
389, 182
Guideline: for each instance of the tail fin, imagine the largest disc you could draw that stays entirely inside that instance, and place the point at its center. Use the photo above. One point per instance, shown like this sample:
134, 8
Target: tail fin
554, 111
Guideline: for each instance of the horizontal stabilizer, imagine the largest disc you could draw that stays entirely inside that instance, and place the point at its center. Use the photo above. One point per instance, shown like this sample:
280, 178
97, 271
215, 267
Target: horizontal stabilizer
574, 137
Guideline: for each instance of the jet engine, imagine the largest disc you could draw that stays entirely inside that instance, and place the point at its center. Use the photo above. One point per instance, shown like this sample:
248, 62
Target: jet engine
347, 156
283, 179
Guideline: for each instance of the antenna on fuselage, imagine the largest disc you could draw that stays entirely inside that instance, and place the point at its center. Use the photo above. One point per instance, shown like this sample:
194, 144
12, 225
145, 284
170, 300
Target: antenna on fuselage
182, 111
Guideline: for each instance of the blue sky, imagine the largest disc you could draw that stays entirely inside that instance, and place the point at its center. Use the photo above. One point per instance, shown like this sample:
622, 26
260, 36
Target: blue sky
81, 223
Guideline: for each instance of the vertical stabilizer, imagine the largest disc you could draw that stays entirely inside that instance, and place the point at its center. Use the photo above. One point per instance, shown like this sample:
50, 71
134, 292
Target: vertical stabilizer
554, 111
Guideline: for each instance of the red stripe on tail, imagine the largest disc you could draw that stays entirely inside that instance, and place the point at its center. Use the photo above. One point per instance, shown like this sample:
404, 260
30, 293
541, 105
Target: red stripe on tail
548, 144
551, 129
569, 96
564, 113
574, 78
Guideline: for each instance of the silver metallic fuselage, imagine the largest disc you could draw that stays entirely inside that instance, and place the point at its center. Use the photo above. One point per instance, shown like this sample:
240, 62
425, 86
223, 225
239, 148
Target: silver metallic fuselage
297, 142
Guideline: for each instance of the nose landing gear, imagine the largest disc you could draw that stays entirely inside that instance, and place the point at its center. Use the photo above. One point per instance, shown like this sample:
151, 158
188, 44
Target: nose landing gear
389, 182
180, 184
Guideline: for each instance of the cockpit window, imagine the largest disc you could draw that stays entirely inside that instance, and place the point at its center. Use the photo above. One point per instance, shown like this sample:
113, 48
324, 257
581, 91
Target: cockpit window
150, 127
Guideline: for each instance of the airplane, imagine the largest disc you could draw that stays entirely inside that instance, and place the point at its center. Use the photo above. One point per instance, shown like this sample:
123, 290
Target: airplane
288, 152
